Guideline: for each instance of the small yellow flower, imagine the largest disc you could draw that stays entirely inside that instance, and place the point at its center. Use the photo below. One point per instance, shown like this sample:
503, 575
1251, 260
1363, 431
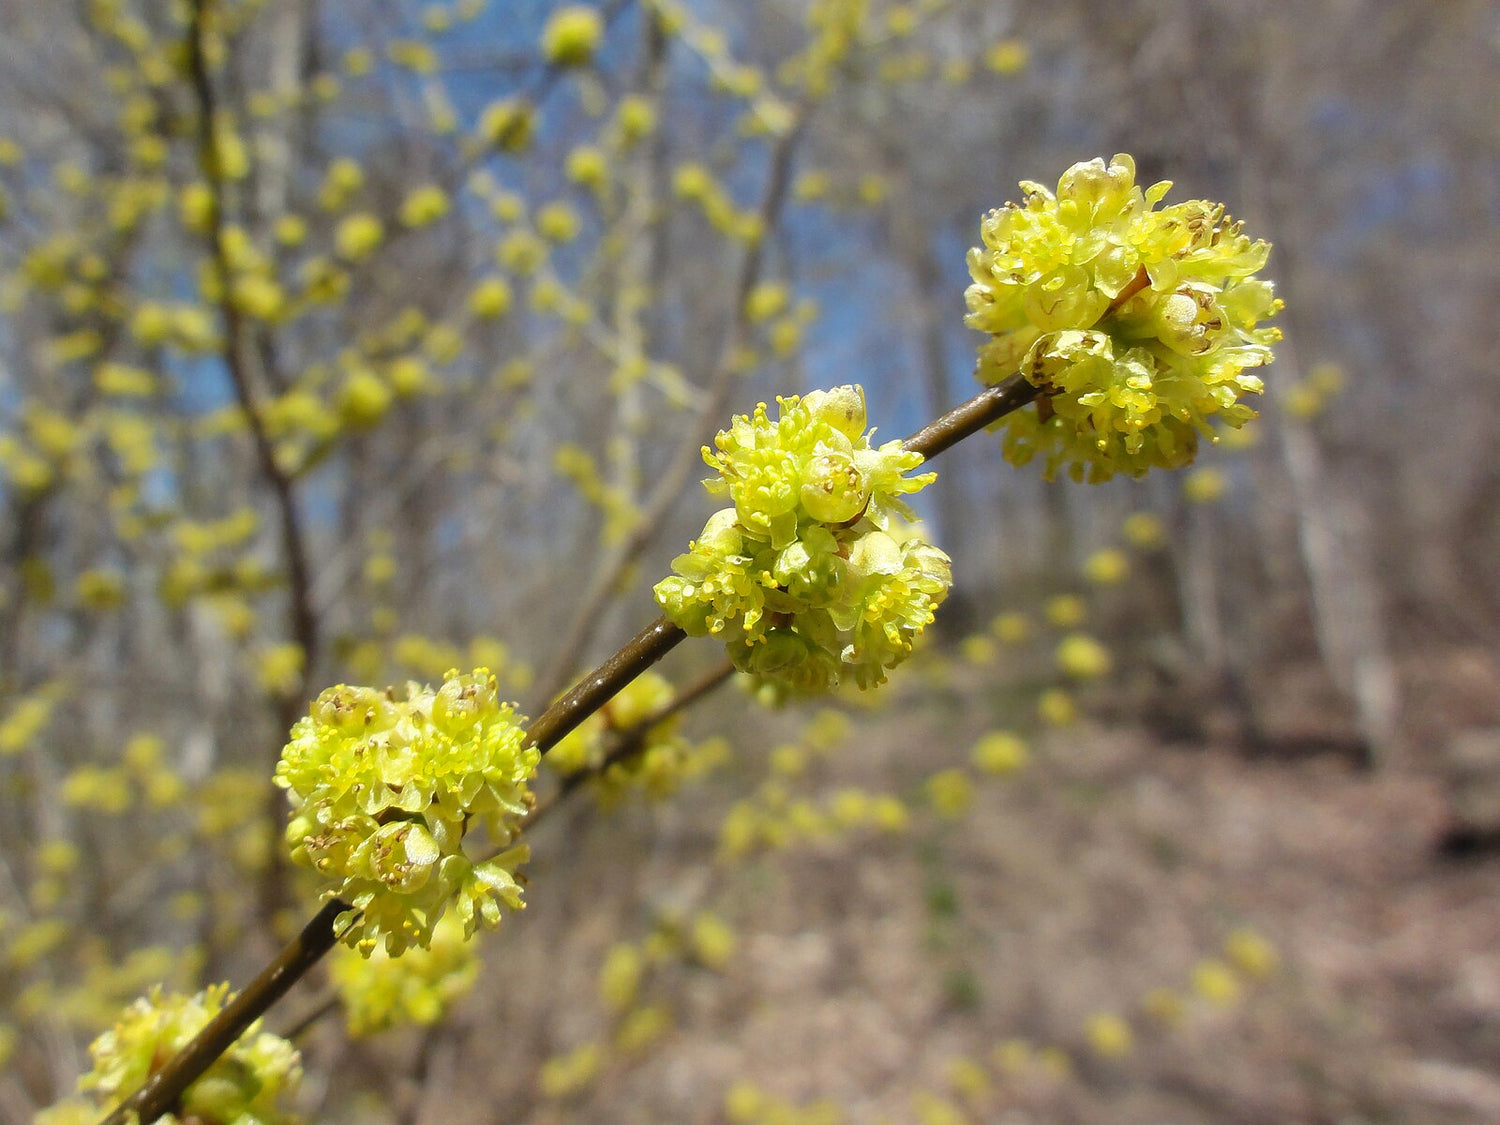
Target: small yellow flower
357, 236
508, 124
1083, 658
358, 61
933, 1110
635, 119
888, 813
195, 204
572, 35
1014, 1056
101, 589
1251, 954
363, 400
279, 668
343, 178
564, 1076
1009, 56
491, 298
789, 760
1327, 379
744, 1103
1065, 611
1011, 628
1144, 530
587, 166
765, 301
1203, 486
1107, 567
557, 222
1000, 752
290, 230
951, 793
968, 1078
424, 205
1108, 1035
620, 976
811, 185
1216, 983
641, 1028
413, 55
692, 181
978, 650
1056, 708
1302, 401
714, 942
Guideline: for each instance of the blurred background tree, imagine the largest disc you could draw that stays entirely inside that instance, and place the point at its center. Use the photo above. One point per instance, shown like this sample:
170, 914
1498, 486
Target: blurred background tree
376, 338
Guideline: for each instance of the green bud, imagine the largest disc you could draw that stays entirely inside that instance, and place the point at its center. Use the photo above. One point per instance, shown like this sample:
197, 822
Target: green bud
833, 490
842, 408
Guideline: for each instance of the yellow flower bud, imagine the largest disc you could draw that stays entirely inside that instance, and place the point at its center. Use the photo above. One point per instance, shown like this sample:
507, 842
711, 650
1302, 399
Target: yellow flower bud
572, 35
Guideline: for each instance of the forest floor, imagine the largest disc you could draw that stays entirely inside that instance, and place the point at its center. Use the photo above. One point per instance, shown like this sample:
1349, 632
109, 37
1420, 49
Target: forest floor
1112, 866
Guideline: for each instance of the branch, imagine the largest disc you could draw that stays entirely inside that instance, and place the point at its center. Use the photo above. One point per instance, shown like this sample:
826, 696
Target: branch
984, 409
304, 621
162, 1091
627, 743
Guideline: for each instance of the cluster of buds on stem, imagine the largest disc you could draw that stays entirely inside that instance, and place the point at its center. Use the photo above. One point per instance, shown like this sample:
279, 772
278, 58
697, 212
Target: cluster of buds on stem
813, 573
1138, 325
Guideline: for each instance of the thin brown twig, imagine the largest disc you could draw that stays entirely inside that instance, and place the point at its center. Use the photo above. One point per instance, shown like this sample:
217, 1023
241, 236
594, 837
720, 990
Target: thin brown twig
237, 357
324, 1006
628, 742
304, 621
984, 409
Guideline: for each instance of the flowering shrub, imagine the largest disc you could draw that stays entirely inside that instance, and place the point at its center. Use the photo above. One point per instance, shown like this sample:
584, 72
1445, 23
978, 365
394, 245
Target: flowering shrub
1138, 330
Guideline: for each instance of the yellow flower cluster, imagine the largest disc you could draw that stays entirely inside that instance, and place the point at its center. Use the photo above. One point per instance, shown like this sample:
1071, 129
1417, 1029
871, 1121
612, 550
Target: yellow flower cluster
809, 576
244, 1084
385, 789
1138, 325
